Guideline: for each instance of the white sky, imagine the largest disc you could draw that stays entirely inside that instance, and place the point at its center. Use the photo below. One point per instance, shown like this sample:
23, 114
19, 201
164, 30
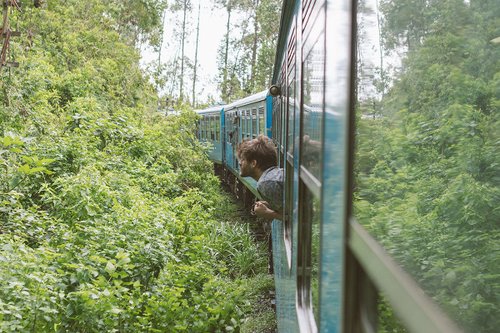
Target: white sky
212, 30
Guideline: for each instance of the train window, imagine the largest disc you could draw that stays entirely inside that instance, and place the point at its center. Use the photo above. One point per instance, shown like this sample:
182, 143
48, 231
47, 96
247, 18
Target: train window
203, 128
312, 109
217, 128
229, 125
308, 258
282, 123
213, 122
262, 125
425, 164
289, 167
288, 209
276, 126
291, 101
249, 124
254, 123
200, 129
207, 127
212, 128
243, 125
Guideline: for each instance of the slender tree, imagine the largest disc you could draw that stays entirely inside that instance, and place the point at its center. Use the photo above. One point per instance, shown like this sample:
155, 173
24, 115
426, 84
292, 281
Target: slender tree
229, 9
247, 67
195, 67
253, 63
185, 7
161, 38
183, 43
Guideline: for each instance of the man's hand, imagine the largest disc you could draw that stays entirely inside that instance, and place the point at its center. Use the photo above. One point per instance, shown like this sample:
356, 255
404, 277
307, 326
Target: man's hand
261, 209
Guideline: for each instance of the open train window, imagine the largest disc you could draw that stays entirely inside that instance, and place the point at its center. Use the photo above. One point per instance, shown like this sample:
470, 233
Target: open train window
244, 125
254, 123
283, 110
312, 113
262, 125
203, 127
249, 124
206, 126
212, 128
229, 126
288, 210
291, 106
209, 127
276, 126
217, 128
279, 107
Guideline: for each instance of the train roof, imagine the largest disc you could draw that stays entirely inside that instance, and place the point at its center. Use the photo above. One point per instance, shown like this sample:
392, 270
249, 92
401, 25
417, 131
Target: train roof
260, 96
287, 10
215, 108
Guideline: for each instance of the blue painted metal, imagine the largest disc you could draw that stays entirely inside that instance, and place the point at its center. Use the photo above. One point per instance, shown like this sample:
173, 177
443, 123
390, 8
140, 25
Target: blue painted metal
222, 135
269, 115
285, 275
335, 157
215, 153
285, 282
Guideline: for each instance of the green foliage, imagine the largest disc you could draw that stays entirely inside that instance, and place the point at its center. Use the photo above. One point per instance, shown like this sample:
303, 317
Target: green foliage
251, 69
109, 218
427, 170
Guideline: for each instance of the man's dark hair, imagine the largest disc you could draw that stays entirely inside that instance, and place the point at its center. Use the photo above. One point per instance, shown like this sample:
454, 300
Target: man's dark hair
260, 149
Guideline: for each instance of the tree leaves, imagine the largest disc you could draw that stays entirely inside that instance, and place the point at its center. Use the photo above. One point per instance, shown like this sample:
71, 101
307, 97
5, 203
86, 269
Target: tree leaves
427, 173
105, 204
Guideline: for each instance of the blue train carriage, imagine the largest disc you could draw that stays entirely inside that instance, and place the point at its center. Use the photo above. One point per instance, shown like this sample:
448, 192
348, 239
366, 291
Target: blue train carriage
299, 121
210, 130
244, 119
330, 272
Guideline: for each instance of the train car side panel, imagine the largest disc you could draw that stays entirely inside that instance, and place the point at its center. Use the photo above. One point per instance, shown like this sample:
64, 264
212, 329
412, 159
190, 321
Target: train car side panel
210, 131
285, 232
337, 92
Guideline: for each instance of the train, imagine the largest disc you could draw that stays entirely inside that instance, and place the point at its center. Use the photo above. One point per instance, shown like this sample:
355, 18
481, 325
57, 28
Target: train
331, 274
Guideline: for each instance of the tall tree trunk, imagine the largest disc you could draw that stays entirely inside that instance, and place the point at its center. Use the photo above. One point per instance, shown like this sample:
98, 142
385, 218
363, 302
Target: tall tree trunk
161, 39
226, 52
254, 47
196, 54
381, 49
160, 49
174, 74
183, 40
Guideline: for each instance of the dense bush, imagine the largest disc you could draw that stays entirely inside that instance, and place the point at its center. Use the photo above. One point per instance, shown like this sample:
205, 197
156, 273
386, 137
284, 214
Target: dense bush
110, 216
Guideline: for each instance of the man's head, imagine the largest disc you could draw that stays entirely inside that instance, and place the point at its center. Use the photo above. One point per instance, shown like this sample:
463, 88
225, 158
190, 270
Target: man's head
256, 155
